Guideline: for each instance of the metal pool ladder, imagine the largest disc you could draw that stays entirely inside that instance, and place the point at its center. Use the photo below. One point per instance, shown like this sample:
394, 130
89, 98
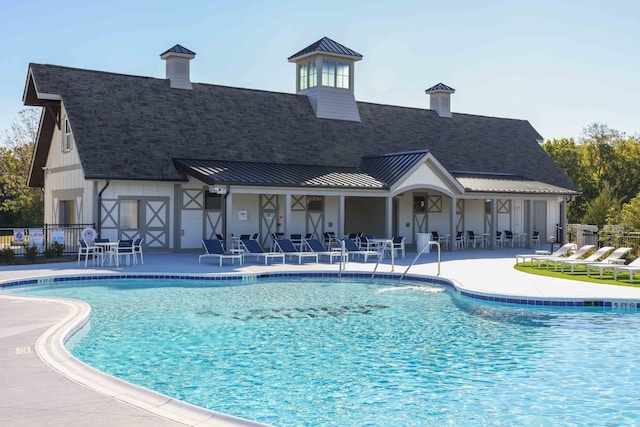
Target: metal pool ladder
429, 243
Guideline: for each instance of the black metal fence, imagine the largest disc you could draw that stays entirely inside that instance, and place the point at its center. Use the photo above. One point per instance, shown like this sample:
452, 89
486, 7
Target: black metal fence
64, 237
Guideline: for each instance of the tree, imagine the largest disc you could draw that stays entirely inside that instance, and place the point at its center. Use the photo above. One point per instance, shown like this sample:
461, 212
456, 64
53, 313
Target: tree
20, 204
629, 216
603, 208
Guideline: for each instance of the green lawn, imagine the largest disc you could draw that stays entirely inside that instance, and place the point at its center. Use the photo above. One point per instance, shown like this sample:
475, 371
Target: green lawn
580, 274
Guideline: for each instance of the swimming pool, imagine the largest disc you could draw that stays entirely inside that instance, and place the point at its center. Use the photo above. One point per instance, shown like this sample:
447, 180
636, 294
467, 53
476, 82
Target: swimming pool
329, 352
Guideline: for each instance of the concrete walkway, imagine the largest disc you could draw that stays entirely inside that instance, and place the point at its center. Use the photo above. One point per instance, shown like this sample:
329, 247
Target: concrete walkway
43, 385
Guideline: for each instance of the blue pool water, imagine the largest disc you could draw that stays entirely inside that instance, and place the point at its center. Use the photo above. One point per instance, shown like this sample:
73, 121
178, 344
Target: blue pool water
344, 353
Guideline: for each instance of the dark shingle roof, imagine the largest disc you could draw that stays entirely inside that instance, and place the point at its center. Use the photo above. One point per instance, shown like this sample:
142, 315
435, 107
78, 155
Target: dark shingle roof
129, 127
327, 45
257, 173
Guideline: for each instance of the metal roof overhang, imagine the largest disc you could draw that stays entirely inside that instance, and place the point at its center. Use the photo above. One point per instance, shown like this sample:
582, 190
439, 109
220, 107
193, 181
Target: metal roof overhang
508, 184
213, 172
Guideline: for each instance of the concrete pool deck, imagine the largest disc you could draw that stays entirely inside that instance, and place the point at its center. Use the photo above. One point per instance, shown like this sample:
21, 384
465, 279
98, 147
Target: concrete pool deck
42, 385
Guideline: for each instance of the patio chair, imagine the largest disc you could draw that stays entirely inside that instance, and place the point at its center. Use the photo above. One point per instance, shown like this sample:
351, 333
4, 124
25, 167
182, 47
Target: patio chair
123, 249
329, 239
595, 257
499, 239
318, 248
560, 252
535, 238
214, 249
353, 250
459, 240
137, 250
253, 249
556, 259
508, 237
296, 239
472, 238
630, 268
366, 244
610, 262
288, 249
86, 250
397, 245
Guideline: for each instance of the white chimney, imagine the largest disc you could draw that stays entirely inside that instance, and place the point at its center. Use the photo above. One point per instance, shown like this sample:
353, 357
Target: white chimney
440, 99
177, 67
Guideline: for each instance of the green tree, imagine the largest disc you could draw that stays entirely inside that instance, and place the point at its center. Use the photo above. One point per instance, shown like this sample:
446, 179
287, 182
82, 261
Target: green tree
603, 208
22, 205
629, 216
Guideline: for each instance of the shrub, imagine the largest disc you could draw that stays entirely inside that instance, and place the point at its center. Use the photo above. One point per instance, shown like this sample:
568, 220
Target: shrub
31, 252
55, 249
7, 255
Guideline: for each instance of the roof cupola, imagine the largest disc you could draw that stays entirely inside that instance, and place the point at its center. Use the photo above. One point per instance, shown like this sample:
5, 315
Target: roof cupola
440, 99
325, 73
177, 66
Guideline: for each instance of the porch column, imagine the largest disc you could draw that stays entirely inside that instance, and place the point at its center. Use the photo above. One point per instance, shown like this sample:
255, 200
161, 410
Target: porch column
340, 232
228, 216
529, 222
452, 224
287, 215
389, 218
494, 223
563, 221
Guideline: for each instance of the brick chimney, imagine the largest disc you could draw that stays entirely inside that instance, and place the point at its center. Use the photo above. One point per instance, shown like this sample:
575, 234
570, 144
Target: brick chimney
440, 99
177, 67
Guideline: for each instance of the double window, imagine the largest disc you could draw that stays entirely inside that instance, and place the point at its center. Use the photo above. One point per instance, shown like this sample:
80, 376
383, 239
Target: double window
335, 74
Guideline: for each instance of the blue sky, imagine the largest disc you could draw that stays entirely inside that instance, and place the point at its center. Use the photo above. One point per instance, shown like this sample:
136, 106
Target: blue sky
562, 65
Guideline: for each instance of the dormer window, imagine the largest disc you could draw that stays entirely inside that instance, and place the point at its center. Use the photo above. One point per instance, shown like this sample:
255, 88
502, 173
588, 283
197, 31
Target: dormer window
308, 75
67, 138
335, 74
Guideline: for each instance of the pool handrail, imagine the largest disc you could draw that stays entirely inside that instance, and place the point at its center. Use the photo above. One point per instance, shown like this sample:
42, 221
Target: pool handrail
429, 243
389, 243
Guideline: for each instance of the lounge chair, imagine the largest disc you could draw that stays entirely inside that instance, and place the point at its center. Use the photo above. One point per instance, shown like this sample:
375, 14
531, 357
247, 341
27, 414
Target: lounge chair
595, 257
629, 268
556, 259
316, 247
561, 251
353, 249
286, 247
253, 249
610, 262
214, 249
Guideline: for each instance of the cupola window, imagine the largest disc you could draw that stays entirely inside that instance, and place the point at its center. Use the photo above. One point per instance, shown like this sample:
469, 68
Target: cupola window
308, 75
335, 74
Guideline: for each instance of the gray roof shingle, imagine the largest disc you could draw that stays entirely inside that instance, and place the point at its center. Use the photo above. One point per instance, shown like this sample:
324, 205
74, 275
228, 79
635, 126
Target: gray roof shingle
130, 127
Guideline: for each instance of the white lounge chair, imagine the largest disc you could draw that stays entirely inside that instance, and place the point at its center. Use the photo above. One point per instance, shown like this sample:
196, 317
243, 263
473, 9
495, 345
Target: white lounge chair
214, 249
629, 268
561, 251
609, 263
595, 257
353, 250
253, 249
316, 247
556, 259
288, 249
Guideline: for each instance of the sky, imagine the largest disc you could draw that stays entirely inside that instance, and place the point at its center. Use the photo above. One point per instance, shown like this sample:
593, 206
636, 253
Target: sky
561, 65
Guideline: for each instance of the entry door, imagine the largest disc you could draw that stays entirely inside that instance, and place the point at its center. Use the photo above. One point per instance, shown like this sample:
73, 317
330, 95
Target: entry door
540, 219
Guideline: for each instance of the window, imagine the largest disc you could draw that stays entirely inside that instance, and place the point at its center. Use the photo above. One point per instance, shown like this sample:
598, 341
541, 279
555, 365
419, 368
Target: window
308, 75
212, 201
419, 204
342, 76
314, 203
65, 212
67, 137
129, 214
335, 74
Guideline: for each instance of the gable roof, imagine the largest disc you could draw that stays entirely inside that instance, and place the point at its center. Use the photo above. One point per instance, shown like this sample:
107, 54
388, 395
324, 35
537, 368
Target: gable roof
130, 127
